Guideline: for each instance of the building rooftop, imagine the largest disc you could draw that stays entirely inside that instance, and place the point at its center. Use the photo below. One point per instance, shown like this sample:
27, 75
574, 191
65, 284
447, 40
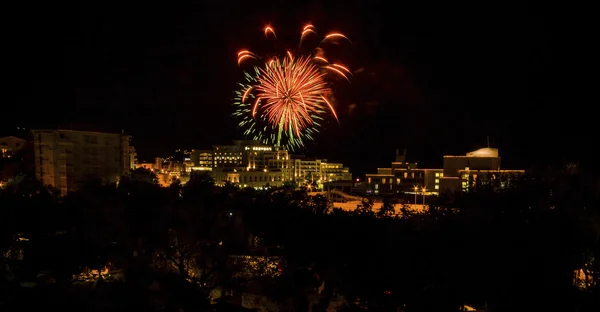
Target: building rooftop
11, 137
80, 131
482, 152
18, 132
495, 171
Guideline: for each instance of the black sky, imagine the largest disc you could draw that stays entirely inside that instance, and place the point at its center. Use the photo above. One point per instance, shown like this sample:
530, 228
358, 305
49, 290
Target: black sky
435, 77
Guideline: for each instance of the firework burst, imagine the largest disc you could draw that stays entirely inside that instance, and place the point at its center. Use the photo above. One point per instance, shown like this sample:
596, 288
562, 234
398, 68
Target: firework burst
284, 99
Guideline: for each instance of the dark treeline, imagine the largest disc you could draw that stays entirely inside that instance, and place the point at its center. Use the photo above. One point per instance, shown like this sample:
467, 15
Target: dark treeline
134, 246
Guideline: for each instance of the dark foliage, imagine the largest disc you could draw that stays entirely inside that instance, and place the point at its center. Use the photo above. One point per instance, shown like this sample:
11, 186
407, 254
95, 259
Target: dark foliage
512, 248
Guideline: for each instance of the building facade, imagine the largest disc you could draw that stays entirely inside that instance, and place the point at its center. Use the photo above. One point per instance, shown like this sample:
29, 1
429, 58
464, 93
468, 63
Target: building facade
200, 160
244, 153
252, 164
249, 178
147, 166
16, 157
480, 166
66, 159
317, 171
11, 145
403, 177
458, 173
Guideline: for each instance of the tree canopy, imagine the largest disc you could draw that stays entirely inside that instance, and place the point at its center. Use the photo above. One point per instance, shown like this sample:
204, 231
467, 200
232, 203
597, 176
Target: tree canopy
534, 245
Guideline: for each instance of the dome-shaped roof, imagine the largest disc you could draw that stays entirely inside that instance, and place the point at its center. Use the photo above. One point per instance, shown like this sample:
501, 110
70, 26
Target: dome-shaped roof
484, 152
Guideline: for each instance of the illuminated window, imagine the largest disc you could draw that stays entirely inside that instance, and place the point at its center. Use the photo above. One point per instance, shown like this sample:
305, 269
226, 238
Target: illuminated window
437, 187
406, 175
369, 180
437, 181
437, 174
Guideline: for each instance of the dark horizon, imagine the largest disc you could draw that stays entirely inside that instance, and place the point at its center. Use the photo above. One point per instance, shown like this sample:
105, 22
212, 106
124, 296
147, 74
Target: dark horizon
436, 78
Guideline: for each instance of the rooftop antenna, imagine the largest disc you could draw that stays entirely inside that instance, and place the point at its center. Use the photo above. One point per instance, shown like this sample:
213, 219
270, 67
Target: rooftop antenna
488, 141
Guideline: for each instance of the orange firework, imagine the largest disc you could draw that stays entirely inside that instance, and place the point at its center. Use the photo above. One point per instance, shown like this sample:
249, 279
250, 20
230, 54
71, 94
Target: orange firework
283, 101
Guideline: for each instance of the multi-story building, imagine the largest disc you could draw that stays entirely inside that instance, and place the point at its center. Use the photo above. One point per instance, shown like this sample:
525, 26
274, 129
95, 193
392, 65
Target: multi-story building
318, 170
11, 145
243, 153
160, 163
65, 158
146, 165
200, 160
254, 164
403, 177
334, 172
16, 156
482, 165
133, 157
187, 155
249, 178
305, 169
459, 172
249, 163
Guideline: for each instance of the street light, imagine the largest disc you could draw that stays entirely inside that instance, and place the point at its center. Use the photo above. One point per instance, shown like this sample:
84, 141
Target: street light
416, 189
423, 197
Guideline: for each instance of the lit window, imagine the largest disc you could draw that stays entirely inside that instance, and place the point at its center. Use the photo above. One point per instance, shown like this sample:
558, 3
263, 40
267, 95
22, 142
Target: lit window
437, 187
437, 181
437, 174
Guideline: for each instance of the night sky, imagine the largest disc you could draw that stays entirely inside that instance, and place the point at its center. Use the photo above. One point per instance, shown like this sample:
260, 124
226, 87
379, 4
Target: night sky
434, 78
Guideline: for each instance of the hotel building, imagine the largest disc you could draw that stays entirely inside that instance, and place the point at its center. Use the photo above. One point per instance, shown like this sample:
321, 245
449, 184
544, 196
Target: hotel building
252, 164
318, 170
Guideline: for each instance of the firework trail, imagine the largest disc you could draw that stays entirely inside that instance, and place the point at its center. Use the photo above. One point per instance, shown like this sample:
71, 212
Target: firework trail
284, 99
